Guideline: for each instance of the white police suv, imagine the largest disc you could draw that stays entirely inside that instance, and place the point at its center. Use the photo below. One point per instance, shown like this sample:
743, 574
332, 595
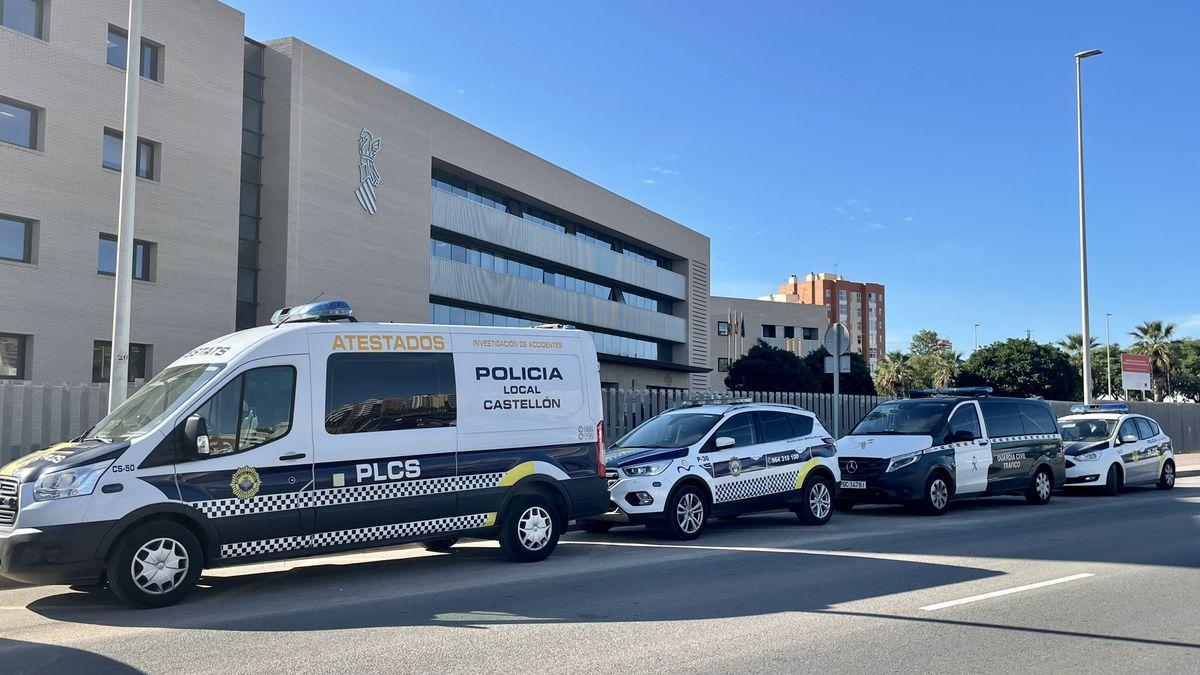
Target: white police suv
314, 436
1108, 447
704, 459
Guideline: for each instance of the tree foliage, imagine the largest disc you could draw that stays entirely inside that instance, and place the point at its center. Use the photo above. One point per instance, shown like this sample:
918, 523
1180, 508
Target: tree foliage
767, 368
1018, 367
924, 342
1155, 339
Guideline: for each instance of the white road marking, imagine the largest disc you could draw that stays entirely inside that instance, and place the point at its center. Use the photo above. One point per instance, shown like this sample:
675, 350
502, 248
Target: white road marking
899, 557
1007, 591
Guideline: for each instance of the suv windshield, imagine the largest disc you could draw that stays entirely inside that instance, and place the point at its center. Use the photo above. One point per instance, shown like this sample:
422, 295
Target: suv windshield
155, 400
669, 431
903, 418
1086, 430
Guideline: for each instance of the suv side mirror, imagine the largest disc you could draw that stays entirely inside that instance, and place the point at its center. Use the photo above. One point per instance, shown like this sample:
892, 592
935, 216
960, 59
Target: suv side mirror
960, 436
1129, 438
725, 442
195, 431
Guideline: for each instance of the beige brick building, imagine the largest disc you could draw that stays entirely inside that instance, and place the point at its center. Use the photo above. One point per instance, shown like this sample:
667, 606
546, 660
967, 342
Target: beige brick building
255, 157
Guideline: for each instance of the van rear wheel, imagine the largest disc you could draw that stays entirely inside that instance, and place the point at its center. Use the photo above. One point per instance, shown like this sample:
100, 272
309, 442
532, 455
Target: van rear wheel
155, 564
1040, 487
530, 528
1166, 478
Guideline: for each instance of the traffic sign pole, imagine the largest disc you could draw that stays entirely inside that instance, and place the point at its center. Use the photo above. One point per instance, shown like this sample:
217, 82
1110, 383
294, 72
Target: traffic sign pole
837, 341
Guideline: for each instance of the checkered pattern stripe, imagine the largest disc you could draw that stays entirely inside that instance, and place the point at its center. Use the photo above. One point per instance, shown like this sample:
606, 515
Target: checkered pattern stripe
361, 534
997, 439
224, 508
758, 486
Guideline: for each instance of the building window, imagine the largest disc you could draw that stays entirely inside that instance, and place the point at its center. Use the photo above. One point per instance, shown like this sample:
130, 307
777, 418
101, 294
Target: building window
22, 15
722, 328
789, 332
143, 257
828, 293
147, 154
841, 296
722, 364
19, 123
102, 360
13, 348
151, 57
389, 392
809, 334
16, 239
768, 330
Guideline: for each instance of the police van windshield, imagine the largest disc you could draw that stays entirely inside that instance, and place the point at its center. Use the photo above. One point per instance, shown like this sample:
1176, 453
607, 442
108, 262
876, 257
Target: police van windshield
903, 418
669, 431
154, 401
1086, 430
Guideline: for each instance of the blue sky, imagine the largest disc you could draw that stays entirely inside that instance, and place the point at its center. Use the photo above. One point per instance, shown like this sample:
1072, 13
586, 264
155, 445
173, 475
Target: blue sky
928, 146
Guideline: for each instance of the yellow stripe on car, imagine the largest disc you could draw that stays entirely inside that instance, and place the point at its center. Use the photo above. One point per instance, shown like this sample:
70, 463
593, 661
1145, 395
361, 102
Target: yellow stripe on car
517, 473
804, 469
12, 467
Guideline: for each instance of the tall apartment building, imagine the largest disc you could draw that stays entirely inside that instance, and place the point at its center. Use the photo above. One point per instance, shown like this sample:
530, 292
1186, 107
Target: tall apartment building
739, 323
857, 305
271, 173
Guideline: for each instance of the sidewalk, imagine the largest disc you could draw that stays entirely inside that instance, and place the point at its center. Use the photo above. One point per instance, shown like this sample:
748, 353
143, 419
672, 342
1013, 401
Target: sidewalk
1187, 464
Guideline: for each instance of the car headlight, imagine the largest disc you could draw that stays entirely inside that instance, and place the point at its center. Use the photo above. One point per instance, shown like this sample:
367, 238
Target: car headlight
651, 469
73, 482
901, 461
1088, 456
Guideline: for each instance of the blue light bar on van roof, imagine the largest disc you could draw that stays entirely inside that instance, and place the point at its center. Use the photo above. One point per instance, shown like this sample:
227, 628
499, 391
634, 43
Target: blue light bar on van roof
951, 391
325, 310
1101, 407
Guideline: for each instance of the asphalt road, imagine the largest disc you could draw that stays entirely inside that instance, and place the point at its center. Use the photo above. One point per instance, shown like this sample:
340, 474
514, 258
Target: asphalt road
1116, 586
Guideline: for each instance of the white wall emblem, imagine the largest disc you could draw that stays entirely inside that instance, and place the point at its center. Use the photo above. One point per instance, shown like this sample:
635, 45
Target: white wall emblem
368, 177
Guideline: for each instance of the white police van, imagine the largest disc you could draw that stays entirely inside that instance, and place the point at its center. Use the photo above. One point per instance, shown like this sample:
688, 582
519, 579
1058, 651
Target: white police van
312, 436
1109, 447
703, 459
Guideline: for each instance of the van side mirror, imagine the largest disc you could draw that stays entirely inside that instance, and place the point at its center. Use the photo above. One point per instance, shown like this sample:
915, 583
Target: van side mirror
195, 431
959, 436
725, 442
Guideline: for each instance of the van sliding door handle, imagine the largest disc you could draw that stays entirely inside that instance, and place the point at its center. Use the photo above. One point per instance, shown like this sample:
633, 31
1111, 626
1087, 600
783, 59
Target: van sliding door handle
291, 456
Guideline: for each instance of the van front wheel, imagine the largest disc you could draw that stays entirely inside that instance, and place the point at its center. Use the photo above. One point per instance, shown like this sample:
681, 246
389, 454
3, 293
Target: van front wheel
529, 528
155, 564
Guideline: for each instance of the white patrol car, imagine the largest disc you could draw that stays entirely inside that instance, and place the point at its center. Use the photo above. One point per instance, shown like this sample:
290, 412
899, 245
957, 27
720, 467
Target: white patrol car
702, 459
1109, 447
309, 437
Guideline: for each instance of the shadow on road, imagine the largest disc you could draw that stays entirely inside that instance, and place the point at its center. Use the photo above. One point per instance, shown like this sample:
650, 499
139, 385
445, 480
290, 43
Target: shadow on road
679, 585
18, 656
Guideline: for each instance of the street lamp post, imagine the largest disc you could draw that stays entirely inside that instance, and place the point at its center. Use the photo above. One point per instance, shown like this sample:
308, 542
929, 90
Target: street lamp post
1083, 275
1108, 350
975, 348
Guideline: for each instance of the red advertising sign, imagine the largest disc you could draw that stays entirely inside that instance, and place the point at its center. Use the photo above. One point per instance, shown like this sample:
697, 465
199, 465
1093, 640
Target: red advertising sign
1135, 372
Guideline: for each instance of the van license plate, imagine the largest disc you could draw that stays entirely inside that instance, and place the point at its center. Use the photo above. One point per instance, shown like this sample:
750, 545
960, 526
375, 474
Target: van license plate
854, 485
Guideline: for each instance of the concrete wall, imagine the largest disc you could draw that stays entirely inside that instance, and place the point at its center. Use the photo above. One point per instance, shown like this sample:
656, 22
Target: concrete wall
756, 313
190, 211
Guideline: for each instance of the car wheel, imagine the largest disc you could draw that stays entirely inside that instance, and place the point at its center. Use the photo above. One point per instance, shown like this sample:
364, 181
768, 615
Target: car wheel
530, 528
1166, 478
155, 564
686, 513
844, 505
1112, 484
440, 545
595, 526
816, 501
936, 500
1040, 487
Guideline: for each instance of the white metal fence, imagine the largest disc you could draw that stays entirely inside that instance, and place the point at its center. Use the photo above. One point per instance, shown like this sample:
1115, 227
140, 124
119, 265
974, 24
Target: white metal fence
38, 415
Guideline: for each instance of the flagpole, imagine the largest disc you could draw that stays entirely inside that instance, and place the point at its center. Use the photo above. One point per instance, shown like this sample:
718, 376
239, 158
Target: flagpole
118, 374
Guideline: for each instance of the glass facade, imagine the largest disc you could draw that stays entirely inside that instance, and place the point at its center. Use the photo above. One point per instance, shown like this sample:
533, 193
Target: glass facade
248, 220
606, 343
497, 262
447, 182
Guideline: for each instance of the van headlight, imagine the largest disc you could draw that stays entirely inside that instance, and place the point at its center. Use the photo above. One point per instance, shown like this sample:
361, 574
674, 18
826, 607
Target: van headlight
1088, 456
73, 482
651, 469
901, 461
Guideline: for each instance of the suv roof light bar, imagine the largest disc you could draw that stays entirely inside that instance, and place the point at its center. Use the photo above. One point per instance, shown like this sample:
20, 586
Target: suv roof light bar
1101, 407
950, 391
714, 400
324, 310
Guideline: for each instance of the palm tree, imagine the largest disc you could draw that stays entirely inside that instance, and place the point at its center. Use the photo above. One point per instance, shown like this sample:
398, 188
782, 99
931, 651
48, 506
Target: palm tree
893, 375
947, 366
1154, 339
1072, 344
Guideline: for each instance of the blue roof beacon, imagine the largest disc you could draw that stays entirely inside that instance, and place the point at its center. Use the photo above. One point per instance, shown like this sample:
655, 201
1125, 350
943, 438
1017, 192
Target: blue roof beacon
324, 310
